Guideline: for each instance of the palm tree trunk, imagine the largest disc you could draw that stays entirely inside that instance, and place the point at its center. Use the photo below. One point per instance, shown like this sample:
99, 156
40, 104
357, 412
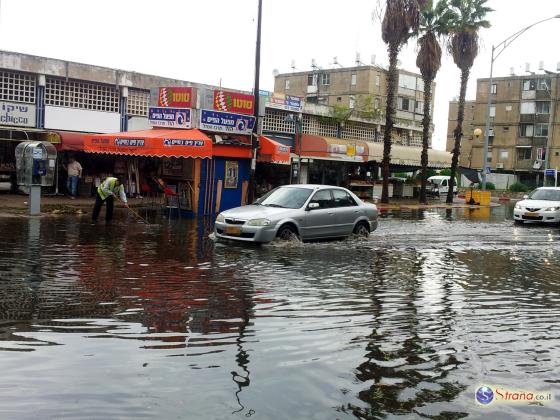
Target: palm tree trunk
457, 133
389, 114
425, 139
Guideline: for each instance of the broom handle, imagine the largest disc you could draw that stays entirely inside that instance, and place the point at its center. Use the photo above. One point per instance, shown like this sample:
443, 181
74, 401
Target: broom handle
133, 212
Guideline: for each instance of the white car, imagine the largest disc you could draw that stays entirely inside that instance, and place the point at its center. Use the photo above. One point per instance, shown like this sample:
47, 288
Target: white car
541, 205
440, 185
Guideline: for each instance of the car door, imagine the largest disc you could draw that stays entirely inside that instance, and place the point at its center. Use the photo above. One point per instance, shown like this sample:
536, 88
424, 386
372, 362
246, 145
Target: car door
320, 221
444, 187
346, 211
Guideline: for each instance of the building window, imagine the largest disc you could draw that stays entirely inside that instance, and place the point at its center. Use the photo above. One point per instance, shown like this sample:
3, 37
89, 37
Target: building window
137, 103
543, 84
524, 153
351, 102
17, 87
405, 104
338, 99
354, 79
503, 154
419, 107
526, 130
527, 108
326, 79
376, 103
406, 81
311, 80
506, 128
529, 84
287, 84
541, 130
543, 108
492, 111
494, 89
377, 80
323, 100
509, 107
73, 94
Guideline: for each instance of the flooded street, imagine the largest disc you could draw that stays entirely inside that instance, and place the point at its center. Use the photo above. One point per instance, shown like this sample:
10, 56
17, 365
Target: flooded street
158, 321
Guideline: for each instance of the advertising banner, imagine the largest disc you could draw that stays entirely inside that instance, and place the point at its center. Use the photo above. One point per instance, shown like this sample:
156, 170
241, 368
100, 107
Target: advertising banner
226, 122
283, 102
176, 97
12, 113
238, 103
170, 117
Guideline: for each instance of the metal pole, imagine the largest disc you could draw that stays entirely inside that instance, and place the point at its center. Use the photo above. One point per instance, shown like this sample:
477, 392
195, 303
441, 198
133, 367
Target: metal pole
256, 95
487, 132
550, 129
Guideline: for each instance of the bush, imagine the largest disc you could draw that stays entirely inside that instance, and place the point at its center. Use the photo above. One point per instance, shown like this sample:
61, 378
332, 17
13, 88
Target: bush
518, 187
490, 186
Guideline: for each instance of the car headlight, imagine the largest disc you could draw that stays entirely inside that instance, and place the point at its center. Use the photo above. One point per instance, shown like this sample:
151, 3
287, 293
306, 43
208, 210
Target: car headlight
258, 222
220, 218
552, 209
518, 207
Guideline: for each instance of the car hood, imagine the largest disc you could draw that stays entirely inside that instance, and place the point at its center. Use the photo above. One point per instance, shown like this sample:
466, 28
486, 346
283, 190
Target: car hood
256, 212
539, 204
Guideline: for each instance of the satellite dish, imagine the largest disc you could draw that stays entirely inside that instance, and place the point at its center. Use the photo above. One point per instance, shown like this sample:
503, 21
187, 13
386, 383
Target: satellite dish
275, 72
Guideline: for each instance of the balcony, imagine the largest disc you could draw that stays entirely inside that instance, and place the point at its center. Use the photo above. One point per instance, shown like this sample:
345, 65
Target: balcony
524, 165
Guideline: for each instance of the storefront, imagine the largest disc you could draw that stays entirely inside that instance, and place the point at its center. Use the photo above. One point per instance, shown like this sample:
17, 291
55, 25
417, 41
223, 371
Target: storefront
273, 165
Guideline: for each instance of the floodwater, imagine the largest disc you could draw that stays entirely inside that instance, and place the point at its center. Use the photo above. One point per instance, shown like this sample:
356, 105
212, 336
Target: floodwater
136, 321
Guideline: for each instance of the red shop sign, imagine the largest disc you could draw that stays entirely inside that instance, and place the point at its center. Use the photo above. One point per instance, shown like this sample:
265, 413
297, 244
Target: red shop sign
238, 103
175, 97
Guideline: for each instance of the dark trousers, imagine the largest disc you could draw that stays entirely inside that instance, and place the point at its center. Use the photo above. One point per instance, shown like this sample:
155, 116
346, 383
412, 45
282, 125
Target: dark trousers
97, 208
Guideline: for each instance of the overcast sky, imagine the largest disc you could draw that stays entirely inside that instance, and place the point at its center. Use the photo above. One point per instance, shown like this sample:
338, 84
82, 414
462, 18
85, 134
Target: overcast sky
207, 41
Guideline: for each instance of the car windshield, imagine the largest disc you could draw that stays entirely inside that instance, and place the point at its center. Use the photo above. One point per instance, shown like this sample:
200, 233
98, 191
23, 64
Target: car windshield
290, 198
548, 195
436, 181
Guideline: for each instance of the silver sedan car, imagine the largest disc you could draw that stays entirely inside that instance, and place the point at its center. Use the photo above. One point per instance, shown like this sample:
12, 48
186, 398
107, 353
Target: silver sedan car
304, 211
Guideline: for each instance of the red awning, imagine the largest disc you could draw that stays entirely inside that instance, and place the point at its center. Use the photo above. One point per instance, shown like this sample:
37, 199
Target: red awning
155, 142
273, 152
71, 141
233, 151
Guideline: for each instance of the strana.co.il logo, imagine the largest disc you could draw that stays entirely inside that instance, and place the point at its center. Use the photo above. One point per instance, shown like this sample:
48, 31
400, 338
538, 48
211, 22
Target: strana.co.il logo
484, 395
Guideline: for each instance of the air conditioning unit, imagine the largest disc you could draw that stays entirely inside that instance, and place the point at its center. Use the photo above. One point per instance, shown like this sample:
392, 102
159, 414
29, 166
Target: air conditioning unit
499, 165
537, 164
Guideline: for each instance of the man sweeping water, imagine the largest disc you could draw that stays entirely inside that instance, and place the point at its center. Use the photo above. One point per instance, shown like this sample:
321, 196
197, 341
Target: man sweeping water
105, 194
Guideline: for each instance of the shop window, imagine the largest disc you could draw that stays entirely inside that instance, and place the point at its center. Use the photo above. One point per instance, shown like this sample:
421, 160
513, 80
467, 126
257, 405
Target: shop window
17, 87
524, 153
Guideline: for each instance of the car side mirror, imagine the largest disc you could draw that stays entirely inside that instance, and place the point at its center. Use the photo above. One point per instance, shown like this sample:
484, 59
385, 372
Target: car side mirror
312, 206
525, 197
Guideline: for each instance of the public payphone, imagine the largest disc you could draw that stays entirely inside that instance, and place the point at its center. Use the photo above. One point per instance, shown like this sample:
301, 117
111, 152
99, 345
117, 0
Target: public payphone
35, 168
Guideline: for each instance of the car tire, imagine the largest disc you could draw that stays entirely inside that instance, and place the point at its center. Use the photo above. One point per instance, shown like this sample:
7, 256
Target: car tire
287, 233
361, 229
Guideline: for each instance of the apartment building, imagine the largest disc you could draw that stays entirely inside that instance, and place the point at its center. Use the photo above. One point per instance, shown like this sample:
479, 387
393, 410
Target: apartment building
361, 88
523, 125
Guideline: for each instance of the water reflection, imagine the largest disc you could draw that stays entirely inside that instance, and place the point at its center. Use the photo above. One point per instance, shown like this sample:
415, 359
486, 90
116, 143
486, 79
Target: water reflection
406, 323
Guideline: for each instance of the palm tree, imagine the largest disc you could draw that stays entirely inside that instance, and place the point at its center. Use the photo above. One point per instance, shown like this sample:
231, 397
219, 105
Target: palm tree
434, 23
468, 17
400, 22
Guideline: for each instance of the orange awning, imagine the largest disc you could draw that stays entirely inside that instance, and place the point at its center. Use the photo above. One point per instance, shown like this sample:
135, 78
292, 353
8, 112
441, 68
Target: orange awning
273, 152
71, 141
329, 148
155, 142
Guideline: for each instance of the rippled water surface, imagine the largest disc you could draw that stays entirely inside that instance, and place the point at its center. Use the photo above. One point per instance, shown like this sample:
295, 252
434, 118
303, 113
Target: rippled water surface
135, 321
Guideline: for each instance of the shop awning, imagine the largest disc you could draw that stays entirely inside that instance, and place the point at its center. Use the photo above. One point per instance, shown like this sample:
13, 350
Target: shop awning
329, 148
273, 152
409, 156
71, 141
154, 142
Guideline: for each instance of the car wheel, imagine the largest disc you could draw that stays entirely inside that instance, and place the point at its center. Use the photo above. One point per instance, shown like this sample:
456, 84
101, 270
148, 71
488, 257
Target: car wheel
287, 233
361, 229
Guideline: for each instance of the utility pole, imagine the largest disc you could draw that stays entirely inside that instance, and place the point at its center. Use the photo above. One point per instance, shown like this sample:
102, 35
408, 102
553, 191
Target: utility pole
256, 88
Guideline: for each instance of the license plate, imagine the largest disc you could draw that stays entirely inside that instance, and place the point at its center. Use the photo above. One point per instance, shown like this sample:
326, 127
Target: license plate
233, 230
532, 214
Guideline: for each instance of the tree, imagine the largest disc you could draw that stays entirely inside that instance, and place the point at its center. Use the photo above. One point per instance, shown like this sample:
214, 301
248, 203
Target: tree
469, 16
434, 23
400, 22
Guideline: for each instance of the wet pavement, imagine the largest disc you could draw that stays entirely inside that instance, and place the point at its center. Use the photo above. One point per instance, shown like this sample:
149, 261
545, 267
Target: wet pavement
158, 321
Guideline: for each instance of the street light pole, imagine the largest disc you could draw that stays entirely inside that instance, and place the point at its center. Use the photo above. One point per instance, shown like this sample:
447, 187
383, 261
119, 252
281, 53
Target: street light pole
499, 49
552, 111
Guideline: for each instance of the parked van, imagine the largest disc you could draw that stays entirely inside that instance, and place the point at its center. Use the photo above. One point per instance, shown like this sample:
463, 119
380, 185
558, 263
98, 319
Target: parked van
440, 185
